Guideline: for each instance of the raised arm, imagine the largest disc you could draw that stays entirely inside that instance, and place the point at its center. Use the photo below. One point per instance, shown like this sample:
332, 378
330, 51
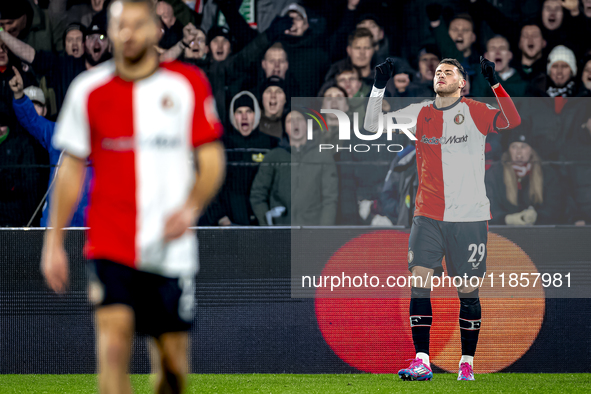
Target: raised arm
21, 49
509, 117
384, 72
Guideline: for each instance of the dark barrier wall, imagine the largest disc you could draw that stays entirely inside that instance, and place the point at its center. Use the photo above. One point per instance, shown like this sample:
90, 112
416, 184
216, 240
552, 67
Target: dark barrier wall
247, 322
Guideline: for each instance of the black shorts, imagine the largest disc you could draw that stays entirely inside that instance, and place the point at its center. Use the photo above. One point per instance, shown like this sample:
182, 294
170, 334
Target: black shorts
462, 243
160, 304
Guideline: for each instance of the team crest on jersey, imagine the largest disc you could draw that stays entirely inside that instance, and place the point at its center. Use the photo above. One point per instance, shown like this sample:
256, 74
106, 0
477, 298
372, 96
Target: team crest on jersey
459, 119
167, 102
411, 256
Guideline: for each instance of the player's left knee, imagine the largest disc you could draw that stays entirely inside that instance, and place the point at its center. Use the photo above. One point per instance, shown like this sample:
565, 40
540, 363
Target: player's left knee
469, 297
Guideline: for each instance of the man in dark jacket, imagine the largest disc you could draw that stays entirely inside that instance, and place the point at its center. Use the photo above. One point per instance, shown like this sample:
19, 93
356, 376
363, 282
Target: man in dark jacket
23, 19
60, 69
576, 152
24, 104
307, 60
299, 178
246, 147
498, 51
21, 188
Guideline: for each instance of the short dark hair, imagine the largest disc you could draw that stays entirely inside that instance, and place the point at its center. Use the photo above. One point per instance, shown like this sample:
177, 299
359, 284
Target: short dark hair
499, 36
277, 46
465, 16
347, 67
454, 62
327, 86
360, 32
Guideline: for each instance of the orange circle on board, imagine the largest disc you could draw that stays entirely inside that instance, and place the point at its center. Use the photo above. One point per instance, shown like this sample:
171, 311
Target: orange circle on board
373, 334
511, 316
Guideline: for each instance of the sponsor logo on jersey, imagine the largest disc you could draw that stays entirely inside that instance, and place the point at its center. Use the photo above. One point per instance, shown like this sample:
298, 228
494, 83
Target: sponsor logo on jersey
125, 144
443, 141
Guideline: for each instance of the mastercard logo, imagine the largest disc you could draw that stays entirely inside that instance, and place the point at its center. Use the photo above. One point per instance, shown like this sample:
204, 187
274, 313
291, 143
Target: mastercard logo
373, 334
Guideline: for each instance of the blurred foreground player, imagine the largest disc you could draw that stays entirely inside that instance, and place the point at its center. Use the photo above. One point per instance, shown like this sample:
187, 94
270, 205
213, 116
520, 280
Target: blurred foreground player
140, 122
452, 209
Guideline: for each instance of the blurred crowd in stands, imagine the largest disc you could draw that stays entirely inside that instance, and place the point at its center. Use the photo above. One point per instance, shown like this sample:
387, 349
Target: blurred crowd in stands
259, 54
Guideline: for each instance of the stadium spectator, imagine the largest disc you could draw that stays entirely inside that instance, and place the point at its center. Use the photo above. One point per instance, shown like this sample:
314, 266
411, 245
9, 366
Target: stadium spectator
397, 196
60, 70
585, 83
80, 12
227, 77
21, 188
265, 12
360, 51
194, 46
297, 177
246, 146
241, 33
276, 63
403, 85
582, 24
334, 97
308, 61
274, 98
561, 70
521, 190
349, 78
380, 40
7, 62
218, 40
531, 43
498, 51
337, 42
172, 29
494, 18
428, 60
74, 40
29, 107
23, 19
576, 126
558, 24
457, 41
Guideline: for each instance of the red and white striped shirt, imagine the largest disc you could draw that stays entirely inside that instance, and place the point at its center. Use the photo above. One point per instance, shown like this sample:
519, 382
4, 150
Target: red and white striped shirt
450, 150
139, 137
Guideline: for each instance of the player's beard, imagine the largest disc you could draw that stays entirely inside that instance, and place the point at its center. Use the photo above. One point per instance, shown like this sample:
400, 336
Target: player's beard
447, 90
138, 57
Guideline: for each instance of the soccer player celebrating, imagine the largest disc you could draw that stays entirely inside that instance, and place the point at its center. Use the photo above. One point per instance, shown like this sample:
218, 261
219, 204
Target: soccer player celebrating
151, 133
452, 209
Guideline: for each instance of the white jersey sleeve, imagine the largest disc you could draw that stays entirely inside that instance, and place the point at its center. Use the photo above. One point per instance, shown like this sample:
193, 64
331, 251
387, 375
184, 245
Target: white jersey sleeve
72, 130
374, 111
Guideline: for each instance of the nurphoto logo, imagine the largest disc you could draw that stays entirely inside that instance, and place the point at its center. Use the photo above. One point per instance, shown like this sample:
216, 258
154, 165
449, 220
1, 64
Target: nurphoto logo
345, 130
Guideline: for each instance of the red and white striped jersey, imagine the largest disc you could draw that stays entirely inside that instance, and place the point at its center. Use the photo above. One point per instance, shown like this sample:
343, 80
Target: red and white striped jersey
139, 137
450, 150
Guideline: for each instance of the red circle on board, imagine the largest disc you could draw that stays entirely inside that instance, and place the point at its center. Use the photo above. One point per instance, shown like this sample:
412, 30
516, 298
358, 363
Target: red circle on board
370, 330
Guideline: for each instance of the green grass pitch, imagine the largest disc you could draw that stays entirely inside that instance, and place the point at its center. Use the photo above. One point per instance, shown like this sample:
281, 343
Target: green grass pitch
312, 384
